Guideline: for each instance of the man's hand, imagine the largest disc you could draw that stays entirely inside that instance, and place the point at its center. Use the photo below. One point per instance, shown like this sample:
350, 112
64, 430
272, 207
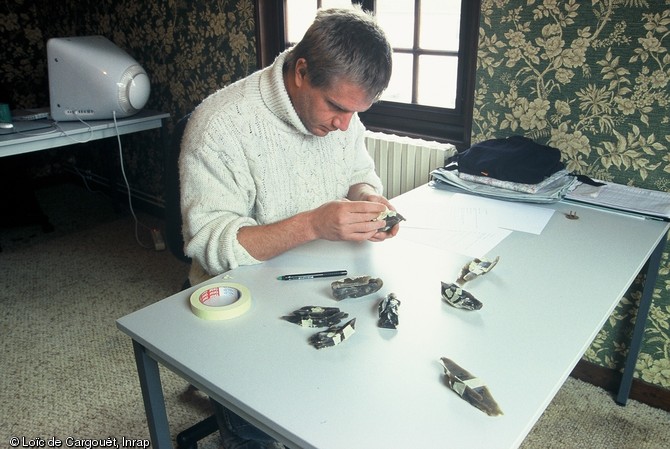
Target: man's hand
365, 192
347, 220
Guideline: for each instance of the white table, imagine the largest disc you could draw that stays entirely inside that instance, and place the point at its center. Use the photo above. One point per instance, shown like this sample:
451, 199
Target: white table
69, 133
543, 305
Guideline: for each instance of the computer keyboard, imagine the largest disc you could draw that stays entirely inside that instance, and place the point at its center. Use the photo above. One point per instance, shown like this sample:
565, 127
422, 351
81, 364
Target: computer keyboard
30, 114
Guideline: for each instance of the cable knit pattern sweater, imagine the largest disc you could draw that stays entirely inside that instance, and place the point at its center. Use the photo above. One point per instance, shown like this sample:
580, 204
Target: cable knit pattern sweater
246, 159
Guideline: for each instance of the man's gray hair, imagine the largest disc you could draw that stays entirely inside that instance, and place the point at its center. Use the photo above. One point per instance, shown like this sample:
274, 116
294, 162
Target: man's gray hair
345, 44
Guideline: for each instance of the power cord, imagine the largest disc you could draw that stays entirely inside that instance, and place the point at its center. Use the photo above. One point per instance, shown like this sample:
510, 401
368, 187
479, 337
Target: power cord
84, 179
90, 130
130, 200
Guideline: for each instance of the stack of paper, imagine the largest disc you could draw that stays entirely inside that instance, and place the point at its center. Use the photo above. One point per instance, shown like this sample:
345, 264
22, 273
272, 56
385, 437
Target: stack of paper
551, 190
516, 186
626, 198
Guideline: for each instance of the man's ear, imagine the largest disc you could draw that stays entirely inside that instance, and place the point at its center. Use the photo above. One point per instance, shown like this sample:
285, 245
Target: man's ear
300, 72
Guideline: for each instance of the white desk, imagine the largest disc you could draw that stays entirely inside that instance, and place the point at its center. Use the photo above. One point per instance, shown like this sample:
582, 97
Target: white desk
69, 133
543, 305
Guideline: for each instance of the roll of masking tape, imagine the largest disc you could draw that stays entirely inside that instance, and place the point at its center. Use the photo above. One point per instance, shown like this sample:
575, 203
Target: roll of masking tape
220, 301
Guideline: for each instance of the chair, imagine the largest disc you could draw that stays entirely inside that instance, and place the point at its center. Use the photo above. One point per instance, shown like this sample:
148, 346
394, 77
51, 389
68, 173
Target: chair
187, 439
173, 223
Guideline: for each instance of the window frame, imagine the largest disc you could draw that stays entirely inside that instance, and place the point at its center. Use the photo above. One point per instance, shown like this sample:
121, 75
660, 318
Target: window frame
427, 122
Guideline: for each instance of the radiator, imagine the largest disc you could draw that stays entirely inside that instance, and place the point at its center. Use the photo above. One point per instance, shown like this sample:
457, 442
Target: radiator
404, 163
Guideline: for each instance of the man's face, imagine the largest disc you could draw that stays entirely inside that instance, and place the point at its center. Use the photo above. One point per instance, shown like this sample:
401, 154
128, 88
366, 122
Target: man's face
323, 110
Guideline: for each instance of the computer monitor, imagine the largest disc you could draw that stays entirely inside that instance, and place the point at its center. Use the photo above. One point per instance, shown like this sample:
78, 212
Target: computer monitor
90, 78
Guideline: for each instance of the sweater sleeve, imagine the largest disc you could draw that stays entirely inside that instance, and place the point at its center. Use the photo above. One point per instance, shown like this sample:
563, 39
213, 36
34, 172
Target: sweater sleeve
217, 197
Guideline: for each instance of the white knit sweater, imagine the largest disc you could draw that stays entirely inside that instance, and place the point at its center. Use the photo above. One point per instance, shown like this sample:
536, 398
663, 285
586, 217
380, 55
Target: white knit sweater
247, 159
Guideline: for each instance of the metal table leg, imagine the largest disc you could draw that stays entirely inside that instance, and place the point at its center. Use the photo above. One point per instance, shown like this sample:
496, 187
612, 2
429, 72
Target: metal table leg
152, 394
640, 322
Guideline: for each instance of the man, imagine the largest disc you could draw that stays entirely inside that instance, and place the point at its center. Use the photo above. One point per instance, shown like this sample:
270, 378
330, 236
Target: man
278, 159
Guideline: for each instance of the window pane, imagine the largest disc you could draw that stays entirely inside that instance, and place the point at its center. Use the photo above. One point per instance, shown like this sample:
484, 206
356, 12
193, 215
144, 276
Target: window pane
440, 24
336, 3
437, 81
299, 16
397, 20
400, 86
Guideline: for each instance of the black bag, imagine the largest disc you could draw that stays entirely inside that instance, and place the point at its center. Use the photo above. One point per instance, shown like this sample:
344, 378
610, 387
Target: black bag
515, 158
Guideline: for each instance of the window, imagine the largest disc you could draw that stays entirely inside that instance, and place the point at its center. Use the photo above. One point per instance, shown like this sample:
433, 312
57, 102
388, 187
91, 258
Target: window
434, 42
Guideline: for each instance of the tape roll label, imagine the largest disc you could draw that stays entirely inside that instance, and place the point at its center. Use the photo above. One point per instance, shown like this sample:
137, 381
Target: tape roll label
220, 301
219, 296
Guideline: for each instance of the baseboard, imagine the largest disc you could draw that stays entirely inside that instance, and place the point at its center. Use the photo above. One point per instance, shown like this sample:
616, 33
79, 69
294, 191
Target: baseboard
609, 379
119, 195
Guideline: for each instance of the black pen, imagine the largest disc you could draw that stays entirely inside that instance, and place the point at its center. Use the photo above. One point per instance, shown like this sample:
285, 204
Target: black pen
320, 274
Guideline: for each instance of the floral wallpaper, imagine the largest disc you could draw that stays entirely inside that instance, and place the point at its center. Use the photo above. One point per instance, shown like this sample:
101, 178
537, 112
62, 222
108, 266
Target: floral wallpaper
592, 79
189, 50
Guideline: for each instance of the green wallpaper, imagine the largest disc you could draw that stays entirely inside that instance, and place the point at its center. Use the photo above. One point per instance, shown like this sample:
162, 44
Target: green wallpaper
592, 79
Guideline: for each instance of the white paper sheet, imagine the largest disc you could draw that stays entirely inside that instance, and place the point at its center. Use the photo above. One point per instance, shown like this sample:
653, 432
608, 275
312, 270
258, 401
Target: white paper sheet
468, 243
469, 213
502, 214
